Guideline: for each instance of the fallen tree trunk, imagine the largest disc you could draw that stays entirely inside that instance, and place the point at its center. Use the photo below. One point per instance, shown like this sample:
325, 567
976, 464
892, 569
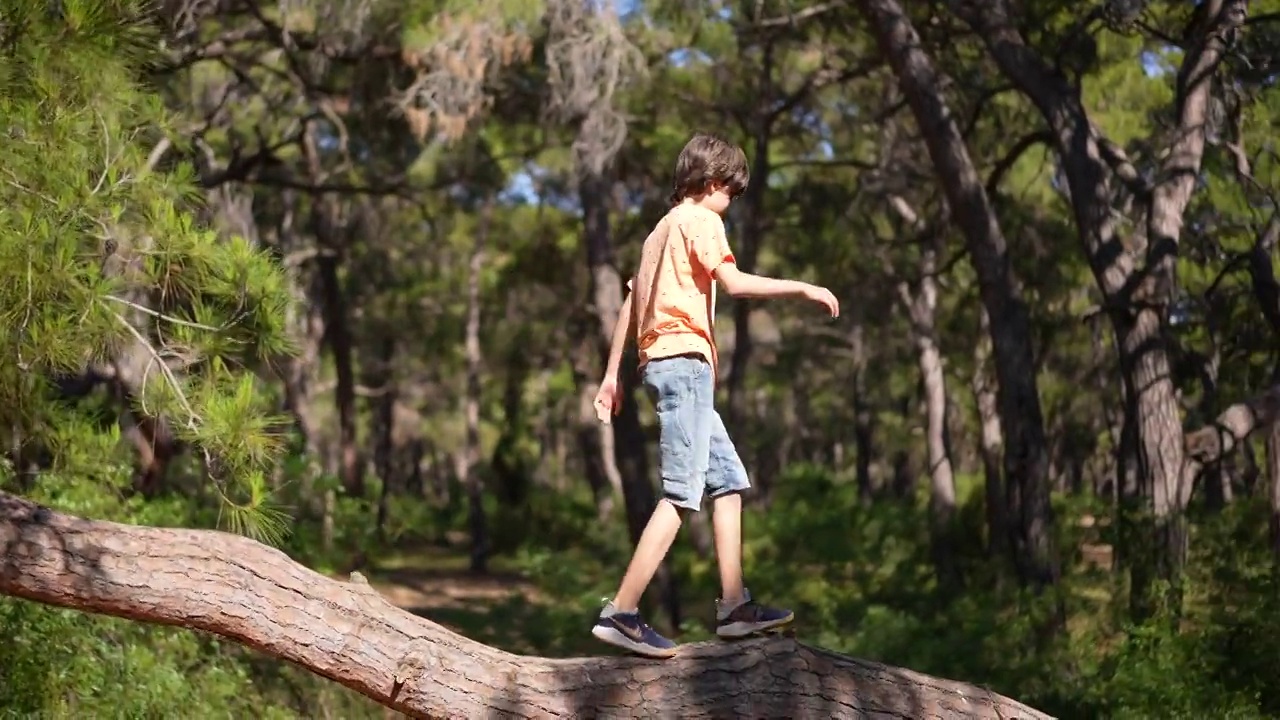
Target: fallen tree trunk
255, 595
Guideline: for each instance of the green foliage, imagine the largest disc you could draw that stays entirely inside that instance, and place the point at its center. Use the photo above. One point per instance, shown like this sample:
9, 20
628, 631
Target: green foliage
109, 261
101, 258
860, 579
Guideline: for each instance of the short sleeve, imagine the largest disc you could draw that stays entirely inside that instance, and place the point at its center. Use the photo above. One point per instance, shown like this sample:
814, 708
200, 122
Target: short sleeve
707, 241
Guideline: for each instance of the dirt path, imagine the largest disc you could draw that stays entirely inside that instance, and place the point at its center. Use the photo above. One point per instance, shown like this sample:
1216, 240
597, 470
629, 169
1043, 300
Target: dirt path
425, 591
500, 608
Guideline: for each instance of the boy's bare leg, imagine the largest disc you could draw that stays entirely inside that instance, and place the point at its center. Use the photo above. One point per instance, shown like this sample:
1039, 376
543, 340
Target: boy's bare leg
654, 543
737, 613
726, 520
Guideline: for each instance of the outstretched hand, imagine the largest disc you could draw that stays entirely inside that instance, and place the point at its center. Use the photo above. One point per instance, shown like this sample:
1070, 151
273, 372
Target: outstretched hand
823, 297
608, 400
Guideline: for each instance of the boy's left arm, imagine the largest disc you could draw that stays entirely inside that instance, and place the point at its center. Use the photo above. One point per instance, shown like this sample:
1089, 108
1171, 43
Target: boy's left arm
609, 398
622, 330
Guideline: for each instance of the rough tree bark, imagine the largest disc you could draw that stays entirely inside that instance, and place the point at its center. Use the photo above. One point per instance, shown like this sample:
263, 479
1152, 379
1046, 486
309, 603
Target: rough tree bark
1137, 278
1026, 458
256, 596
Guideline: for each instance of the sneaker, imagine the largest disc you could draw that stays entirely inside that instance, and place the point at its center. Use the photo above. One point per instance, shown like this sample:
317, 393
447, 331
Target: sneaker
629, 632
748, 617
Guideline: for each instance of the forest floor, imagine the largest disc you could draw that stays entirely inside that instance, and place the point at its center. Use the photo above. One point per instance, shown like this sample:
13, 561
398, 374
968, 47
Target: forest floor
499, 608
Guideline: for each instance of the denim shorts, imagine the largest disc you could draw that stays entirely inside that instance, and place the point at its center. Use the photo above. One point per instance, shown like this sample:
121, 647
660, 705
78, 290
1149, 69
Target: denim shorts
696, 456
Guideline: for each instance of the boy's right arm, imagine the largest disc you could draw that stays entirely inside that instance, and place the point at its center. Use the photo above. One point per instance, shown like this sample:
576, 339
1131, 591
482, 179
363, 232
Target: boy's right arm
740, 284
708, 243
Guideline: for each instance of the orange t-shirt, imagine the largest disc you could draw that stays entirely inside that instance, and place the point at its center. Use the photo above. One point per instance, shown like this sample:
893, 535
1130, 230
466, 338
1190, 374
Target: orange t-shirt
674, 291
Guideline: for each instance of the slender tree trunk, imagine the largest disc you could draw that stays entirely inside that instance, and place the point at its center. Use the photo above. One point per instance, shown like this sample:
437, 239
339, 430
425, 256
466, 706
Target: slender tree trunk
923, 306
942, 498
1026, 454
598, 457
747, 250
1266, 290
863, 414
1216, 478
511, 471
338, 338
471, 477
1273, 487
991, 442
306, 328
382, 378
325, 221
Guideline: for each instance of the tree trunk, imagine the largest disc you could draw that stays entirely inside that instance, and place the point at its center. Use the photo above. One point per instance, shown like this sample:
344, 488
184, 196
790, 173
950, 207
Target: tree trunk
305, 322
1273, 488
256, 596
1160, 467
1026, 459
922, 306
325, 221
748, 246
1138, 278
1267, 292
863, 414
597, 456
385, 448
990, 444
338, 337
471, 478
1216, 479
510, 469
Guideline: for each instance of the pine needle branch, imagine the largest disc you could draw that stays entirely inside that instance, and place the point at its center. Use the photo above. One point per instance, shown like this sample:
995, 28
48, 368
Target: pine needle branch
162, 316
193, 419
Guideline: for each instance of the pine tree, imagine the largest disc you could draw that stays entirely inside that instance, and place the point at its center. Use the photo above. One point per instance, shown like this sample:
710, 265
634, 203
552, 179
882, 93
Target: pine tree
104, 264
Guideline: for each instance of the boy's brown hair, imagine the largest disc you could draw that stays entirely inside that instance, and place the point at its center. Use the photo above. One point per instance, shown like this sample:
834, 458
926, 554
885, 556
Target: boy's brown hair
706, 160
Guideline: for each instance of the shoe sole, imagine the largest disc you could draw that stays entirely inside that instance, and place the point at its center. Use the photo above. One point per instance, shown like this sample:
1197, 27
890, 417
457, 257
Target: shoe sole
736, 631
617, 639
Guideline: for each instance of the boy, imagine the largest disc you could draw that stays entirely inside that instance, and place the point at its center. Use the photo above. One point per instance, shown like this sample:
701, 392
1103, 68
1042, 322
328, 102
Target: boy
671, 309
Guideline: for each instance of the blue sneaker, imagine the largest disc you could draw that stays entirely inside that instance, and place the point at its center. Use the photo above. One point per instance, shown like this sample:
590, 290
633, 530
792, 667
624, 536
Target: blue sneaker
749, 617
629, 632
